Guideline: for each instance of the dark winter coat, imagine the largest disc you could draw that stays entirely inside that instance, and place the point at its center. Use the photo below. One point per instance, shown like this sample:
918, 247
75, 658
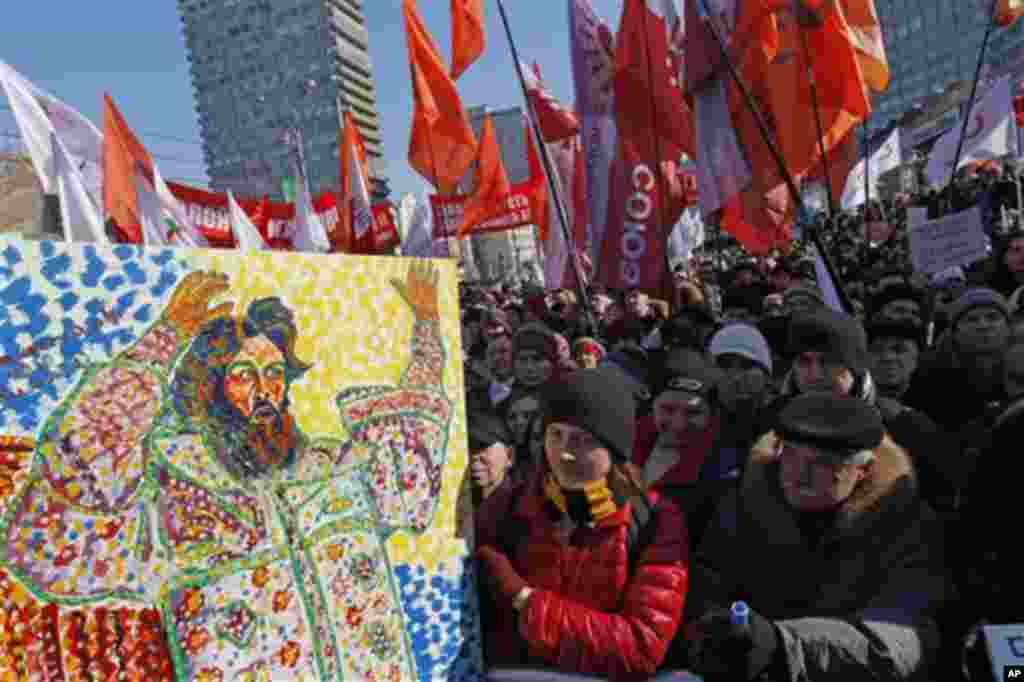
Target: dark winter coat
859, 605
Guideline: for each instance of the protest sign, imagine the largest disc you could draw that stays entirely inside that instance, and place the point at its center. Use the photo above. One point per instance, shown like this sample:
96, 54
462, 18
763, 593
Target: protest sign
956, 239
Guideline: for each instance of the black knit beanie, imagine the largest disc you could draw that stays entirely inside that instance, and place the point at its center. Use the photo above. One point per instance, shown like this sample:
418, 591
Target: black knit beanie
599, 401
837, 335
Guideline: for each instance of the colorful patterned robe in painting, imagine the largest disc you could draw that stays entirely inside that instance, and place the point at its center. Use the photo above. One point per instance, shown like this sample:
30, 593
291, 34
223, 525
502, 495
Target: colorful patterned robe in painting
281, 577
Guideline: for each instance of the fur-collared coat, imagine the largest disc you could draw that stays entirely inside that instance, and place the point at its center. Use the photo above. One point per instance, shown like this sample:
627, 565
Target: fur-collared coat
862, 603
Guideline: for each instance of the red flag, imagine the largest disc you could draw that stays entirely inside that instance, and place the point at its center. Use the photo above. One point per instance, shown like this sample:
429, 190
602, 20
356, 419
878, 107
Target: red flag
649, 76
540, 196
492, 185
555, 121
468, 34
655, 129
781, 86
122, 152
442, 145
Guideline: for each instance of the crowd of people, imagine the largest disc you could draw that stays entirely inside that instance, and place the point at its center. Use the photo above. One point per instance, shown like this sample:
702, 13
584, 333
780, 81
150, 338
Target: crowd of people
640, 470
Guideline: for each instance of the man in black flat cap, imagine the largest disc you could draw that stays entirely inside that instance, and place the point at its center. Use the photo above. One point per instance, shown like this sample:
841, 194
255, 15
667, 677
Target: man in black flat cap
830, 545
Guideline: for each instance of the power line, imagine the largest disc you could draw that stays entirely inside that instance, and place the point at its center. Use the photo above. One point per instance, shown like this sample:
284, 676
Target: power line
162, 157
150, 133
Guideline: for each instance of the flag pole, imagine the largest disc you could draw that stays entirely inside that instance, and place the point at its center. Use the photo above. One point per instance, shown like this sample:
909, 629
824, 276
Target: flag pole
1016, 180
556, 195
867, 172
774, 150
974, 92
817, 122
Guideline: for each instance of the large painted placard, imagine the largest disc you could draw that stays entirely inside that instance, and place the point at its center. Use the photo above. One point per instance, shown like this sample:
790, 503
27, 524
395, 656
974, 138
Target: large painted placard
219, 466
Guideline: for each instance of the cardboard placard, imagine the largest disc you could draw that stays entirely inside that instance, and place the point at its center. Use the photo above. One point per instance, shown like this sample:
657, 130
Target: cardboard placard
956, 239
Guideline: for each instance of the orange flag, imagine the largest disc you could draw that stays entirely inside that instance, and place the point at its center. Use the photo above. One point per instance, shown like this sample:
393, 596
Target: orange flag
492, 185
468, 37
866, 35
353, 197
781, 86
442, 145
122, 152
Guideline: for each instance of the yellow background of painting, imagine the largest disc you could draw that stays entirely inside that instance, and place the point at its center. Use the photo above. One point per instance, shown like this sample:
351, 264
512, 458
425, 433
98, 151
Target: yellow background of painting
356, 329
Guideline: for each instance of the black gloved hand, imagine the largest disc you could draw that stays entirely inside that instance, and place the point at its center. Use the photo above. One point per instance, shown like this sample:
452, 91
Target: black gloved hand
736, 652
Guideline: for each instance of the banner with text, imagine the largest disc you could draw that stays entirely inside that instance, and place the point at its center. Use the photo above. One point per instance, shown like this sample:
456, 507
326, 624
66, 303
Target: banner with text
520, 209
209, 211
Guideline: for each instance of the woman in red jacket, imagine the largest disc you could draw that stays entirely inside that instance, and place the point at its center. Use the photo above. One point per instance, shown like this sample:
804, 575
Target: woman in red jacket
582, 572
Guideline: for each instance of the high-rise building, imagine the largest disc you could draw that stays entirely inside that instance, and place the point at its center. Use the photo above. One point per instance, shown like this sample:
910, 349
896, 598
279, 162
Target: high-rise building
932, 46
261, 68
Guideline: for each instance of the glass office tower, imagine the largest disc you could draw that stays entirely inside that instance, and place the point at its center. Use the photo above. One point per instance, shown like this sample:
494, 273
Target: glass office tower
264, 68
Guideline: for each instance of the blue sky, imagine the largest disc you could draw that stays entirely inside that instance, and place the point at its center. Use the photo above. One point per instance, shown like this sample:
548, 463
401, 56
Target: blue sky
135, 50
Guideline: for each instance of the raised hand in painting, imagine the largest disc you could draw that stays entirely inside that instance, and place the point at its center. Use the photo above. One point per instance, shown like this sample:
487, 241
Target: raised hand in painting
420, 290
189, 308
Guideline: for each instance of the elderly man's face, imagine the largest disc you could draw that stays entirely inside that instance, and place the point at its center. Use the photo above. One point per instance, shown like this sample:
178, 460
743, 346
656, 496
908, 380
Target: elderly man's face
816, 481
256, 383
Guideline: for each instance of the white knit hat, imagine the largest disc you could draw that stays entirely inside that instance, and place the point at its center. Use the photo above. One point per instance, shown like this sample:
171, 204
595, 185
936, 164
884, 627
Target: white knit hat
745, 341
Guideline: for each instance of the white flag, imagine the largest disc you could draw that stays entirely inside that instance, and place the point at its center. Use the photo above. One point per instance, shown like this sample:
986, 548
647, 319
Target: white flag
32, 123
81, 218
180, 229
419, 234
362, 209
247, 237
687, 235
82, 140
309, 233
154, 231
80, 137
884, 159
991, 134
